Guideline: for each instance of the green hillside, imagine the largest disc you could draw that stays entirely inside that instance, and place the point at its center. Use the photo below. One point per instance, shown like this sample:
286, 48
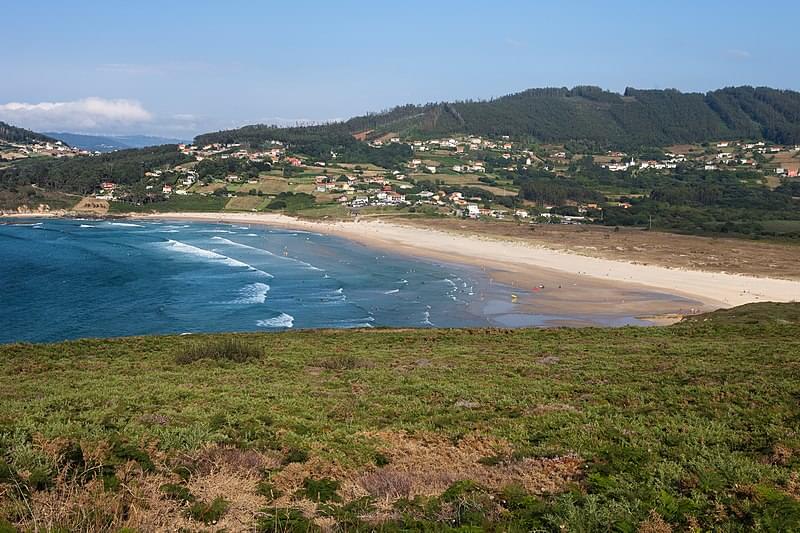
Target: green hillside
692, 426
14, 134
83, 174
637, 117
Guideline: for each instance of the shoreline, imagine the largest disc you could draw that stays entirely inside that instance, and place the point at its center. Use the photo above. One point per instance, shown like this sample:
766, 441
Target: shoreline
528, 266
545, 280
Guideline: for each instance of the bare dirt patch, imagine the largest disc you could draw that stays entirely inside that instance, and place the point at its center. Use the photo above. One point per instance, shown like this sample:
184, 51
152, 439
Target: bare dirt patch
92, 205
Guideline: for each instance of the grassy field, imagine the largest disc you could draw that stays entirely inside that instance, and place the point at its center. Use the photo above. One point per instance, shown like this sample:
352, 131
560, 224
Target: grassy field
687, 427
191, 202
247, 203
782, 226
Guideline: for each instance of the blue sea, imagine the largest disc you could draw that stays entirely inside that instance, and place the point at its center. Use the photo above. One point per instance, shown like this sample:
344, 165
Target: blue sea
72, 278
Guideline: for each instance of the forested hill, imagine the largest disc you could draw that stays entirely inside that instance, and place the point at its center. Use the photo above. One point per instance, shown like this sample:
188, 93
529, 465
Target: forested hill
637, 117
14, 134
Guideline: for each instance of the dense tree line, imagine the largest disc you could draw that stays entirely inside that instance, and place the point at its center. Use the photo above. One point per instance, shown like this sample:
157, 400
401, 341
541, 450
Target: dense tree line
544, 187
14, 134
291, 201
83, 174
390, 156
585, 115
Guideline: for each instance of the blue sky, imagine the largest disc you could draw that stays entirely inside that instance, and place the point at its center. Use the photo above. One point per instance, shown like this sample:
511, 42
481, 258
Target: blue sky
180, 68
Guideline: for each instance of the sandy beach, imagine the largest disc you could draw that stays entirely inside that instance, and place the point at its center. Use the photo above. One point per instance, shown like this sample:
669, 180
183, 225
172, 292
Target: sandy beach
554, 281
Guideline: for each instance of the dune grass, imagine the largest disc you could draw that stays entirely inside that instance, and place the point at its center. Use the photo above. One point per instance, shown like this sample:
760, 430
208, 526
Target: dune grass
687, 426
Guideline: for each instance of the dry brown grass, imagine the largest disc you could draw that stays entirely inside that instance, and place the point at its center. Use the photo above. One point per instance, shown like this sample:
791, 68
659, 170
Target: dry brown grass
139, 503
426, 465
72, 506
419, 465
92, 205
654, 524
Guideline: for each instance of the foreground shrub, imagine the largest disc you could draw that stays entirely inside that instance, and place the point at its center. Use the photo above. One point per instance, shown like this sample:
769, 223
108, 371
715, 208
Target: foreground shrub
176, 492
209, 513
341, 362
224, 349
295, 455
320, 490
284, 520
122, 450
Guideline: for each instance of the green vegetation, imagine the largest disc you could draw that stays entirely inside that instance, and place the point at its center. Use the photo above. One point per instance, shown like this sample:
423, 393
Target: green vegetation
12, 197
290, 201
83, 175
689, 426
194, 202
684, 200
318, 142
14, 134
211, 169
226, 348
209, 513
587, 114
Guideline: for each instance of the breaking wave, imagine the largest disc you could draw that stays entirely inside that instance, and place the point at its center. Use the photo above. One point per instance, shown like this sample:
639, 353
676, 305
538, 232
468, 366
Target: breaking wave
281, 321
255, 293
267, 252
194, 251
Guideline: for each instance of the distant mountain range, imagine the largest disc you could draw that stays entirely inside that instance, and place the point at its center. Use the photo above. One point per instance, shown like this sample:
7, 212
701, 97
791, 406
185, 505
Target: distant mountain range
109, 143
585, 114
14, 134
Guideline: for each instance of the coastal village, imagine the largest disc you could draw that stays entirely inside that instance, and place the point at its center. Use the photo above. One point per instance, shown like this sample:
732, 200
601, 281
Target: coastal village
460, 176
10, 151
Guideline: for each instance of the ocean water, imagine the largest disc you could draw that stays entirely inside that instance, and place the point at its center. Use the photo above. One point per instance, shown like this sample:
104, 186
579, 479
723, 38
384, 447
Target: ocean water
71, 278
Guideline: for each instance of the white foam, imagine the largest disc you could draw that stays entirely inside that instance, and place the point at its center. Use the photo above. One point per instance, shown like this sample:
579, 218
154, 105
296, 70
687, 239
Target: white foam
267, 252
188, 249
126, 224
281, 321
393, 291
427, 318
217, 231
86, 226
364, 322
255, 293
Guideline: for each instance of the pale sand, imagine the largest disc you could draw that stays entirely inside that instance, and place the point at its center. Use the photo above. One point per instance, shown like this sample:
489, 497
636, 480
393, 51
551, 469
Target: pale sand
573, 283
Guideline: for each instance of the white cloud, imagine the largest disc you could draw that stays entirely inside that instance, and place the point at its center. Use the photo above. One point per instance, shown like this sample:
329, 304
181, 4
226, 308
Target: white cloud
88, 114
